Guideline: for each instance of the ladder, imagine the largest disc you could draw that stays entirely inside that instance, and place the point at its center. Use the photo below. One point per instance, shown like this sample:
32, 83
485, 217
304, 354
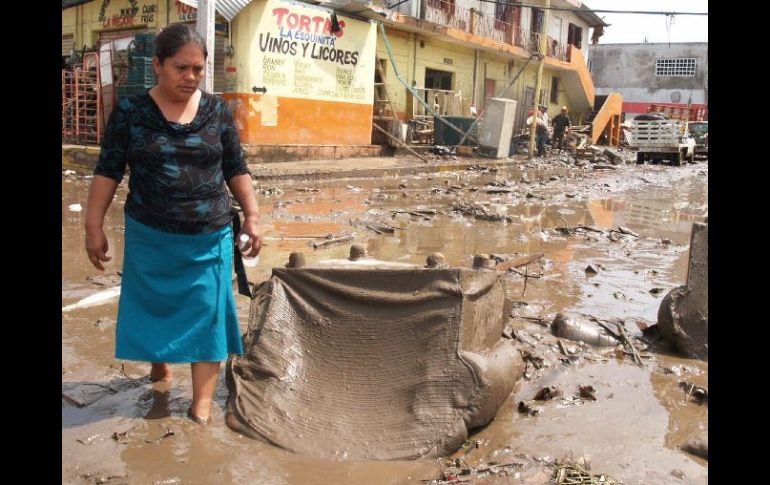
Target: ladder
81, 102
384, 115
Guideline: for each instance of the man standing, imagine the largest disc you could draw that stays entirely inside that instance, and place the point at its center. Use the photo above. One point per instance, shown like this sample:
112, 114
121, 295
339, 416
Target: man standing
561, 124
535, 121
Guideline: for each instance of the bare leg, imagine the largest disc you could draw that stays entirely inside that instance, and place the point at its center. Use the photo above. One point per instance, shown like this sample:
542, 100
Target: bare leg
160, 372
204, 377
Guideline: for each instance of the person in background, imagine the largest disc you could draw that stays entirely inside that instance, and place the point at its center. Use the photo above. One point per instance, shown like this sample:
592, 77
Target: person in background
561, 125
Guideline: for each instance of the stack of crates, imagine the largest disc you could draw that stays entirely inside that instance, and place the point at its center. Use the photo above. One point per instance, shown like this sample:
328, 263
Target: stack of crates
141, 75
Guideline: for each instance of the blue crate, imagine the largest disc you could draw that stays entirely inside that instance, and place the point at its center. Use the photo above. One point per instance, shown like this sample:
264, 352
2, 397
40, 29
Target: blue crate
144, 44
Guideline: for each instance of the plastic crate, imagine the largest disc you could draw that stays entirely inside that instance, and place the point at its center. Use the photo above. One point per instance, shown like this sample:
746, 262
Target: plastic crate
144, 44
444, 135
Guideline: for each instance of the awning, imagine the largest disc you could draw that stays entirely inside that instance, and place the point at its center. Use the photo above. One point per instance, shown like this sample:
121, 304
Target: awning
227, 8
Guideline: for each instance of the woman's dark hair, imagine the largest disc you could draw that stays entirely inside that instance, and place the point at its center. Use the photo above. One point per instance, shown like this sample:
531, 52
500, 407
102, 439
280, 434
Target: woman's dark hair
176, 36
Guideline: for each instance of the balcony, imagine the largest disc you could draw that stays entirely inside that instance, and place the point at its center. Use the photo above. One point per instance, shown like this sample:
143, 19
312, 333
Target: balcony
472, 21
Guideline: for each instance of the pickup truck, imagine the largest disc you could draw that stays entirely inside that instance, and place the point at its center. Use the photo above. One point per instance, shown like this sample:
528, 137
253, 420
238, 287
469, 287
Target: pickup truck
654, 137
699, 130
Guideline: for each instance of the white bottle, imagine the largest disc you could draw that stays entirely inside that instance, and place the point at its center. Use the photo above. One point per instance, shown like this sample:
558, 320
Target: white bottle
248, 262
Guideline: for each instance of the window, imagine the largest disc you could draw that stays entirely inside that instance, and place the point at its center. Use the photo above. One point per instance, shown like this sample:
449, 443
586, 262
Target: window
503, 14
677, 67
554, 89
435, 79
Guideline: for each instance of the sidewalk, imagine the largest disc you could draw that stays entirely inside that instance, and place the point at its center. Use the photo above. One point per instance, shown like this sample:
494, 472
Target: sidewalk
82, 159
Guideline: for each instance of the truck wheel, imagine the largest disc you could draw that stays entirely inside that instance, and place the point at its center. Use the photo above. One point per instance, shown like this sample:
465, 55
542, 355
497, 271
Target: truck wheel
640, 158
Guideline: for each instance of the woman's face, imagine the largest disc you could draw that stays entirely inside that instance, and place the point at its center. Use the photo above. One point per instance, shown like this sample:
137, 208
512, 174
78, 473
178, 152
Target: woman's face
180, 74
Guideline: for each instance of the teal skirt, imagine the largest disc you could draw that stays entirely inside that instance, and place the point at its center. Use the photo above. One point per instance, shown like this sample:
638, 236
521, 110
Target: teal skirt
176, 299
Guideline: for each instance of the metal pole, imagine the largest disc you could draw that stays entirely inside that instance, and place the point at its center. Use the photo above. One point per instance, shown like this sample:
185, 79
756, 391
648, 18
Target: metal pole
539, 79
204, 25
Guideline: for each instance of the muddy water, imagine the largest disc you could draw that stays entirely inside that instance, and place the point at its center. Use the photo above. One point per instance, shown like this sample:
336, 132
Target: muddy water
631, 432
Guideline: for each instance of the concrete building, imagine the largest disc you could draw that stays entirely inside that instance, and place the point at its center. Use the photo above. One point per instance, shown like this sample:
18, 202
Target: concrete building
294, 84
674, 74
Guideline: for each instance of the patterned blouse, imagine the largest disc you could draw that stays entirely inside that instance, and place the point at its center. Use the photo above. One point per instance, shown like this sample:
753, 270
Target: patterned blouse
178, 172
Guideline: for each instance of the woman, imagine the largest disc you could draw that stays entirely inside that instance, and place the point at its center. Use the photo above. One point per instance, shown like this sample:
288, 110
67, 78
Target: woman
176, 302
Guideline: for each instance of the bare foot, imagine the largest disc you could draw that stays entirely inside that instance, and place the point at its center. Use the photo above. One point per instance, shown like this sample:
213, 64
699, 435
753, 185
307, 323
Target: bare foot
203, 421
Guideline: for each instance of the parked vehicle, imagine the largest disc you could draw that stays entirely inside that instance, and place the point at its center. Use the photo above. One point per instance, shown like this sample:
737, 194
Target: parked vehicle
699, 131
661, 139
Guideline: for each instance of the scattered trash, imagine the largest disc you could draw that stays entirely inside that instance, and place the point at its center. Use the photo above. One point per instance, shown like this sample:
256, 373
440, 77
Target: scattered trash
657, 291
529, 408
697, 394
479, 212
332, 239
579, 328
587, 392
309, 189
75, 207
547, 393
68, 172
627, 231
591, 270
569, 472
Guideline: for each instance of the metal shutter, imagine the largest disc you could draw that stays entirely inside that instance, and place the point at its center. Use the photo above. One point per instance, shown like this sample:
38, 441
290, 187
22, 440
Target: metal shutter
67, 44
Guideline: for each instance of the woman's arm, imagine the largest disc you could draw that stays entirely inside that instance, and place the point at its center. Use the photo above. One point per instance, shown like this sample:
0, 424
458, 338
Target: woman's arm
99, 199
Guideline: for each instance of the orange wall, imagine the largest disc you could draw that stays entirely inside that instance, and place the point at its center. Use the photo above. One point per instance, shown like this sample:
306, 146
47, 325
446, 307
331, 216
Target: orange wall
302, 122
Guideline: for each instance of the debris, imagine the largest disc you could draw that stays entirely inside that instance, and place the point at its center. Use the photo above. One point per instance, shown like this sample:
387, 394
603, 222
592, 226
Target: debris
68, 172
332, 239
479, 212
519, 262
75, 207
627, 231
168, 434
381, 228
529, 408
573, 326
657, 290
271, 191
619, 295
627, 342
89, 440
604, 167
591, 270
569, 472
547, 393
587, 392
698, 395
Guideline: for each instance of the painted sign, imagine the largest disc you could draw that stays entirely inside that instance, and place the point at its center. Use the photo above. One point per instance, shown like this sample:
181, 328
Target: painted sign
186, 13
295, 53
128, 14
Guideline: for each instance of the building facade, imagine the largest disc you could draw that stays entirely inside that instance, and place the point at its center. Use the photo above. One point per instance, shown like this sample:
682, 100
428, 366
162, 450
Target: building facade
295, 75
673, 74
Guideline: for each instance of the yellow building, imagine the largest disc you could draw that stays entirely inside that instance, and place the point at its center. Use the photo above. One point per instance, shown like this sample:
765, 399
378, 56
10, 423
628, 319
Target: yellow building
294, 76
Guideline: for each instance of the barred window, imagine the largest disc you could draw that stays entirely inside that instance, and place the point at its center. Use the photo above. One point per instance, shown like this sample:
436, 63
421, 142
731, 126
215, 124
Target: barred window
680, 67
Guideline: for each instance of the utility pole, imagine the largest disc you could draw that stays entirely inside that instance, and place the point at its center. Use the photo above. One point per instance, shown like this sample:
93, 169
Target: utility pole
539, 79
204, 25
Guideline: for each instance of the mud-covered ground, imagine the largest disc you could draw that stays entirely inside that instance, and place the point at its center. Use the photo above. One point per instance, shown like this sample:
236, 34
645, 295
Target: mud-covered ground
632, 431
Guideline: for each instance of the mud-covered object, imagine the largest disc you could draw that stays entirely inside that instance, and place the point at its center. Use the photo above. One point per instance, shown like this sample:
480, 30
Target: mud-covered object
574, 326
683, 317
372, 362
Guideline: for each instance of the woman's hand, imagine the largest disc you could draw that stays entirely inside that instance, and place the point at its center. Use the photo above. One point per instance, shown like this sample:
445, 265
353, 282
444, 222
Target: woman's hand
251, 228
97, 247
